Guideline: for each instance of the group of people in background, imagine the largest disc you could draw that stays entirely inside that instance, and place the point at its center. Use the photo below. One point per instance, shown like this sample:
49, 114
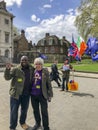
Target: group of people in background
65, 69
33, 82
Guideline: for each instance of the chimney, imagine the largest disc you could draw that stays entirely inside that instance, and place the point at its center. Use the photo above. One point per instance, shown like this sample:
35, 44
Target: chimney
47, 34
22, 33
30, 42
64, 38
3, 5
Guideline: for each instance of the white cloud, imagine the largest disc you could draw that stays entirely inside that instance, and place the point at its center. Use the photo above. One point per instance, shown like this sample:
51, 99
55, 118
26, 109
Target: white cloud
70, 11
34, 18
43, 9
61, 25
47, 6
12, 2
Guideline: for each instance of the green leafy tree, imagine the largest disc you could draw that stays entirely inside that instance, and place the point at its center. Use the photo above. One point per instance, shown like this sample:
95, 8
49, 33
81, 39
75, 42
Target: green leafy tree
87, 19
15, 31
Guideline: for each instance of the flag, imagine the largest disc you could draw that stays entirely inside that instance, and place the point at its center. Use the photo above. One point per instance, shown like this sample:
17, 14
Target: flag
92, 48
79, 42
81, 45
43, 56
90, 43
73, 50
94, 52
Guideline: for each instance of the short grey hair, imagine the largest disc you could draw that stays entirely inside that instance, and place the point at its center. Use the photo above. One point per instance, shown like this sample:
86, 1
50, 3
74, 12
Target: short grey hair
38, 61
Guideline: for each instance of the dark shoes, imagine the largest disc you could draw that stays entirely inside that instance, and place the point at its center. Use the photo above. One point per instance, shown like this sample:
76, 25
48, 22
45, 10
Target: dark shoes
46, 129
59, 86
64, 90
36, 127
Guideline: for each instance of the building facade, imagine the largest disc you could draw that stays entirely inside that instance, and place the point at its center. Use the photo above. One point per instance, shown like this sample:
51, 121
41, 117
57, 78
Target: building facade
50, 46
20, 46
6, 32
13, 47
53, 47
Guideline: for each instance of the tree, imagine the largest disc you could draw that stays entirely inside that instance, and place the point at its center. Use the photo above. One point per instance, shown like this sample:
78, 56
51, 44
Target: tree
15, 31
87, 19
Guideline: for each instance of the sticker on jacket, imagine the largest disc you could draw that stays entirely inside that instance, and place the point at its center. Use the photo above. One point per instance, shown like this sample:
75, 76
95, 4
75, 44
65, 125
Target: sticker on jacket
19, 79
38, 87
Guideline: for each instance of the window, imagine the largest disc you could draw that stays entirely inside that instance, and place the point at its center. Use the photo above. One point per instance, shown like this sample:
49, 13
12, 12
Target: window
46, 50
61, 42
42, 42
52, 50
0, 35
7, 52
6, 21
6, 37
50, 41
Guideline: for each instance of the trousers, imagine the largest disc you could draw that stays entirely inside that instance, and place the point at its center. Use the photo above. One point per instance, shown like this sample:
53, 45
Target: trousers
23, 101
36, 102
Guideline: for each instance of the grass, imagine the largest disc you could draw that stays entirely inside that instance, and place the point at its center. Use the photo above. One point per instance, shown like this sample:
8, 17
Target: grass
85, 65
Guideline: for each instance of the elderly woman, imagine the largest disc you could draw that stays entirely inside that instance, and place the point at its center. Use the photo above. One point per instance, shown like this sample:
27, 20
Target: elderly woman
40, 94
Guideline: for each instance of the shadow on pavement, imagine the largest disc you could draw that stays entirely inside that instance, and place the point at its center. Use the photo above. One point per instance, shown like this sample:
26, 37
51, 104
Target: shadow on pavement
81, 94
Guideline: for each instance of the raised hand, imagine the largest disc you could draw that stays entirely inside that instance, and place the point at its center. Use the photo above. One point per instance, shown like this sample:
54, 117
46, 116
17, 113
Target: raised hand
8, 66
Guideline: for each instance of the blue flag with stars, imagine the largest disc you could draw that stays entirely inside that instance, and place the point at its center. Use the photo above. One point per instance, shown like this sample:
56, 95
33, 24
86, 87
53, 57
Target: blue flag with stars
94, 51
92, 48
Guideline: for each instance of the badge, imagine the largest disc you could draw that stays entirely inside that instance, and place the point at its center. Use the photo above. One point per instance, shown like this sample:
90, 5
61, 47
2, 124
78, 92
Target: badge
38, 87
19, 80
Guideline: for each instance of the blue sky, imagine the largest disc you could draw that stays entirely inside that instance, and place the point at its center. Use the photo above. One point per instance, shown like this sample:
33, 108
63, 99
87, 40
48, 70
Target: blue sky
38, 17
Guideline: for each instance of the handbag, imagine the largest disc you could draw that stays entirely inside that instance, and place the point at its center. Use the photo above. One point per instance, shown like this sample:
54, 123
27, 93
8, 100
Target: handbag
72, 84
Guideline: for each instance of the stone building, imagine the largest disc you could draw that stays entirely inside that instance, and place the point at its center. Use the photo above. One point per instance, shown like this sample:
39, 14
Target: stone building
20, 46
6, 32
53, 47
13, 47
50, 46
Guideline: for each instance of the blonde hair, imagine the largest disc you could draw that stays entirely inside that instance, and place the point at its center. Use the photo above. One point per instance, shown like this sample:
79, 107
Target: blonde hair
38, 61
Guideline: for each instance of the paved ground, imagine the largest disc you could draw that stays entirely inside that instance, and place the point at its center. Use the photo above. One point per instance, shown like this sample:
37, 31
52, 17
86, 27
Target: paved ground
67, 111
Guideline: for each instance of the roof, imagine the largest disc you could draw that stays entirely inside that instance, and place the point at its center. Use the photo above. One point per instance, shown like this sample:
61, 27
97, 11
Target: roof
17, 38
4, 11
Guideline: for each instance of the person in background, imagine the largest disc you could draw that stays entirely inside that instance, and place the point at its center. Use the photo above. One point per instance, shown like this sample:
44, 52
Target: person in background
54, 75
20, 88
40, 94
66, 73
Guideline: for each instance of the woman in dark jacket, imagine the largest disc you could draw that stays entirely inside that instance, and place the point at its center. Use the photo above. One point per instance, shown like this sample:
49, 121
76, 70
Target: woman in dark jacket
40, 94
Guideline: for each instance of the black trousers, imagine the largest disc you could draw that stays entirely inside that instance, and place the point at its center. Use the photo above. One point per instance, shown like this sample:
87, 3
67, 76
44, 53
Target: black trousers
63, 83
40, 103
